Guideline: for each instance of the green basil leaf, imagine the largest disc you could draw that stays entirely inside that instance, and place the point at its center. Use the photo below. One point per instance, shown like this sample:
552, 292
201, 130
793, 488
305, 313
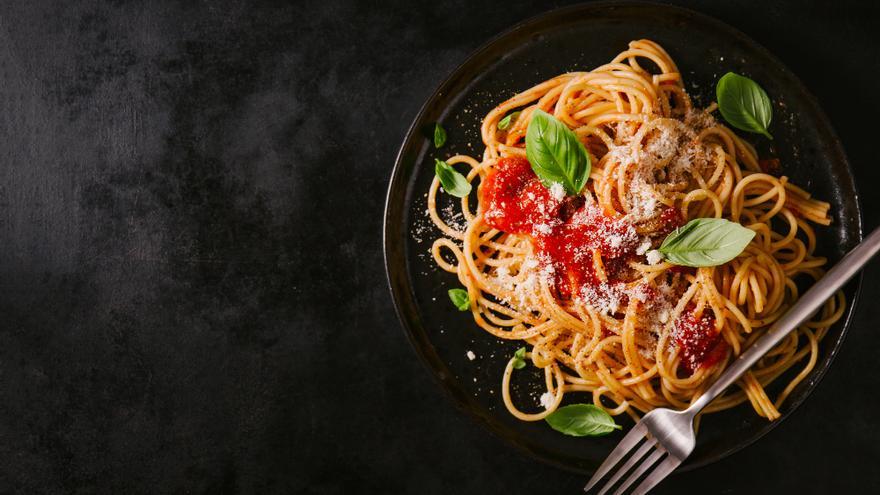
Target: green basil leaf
706, 242
556, 154
453, 182
504, 123
744, 104
439, 135
519, 358
460, 299
582, 420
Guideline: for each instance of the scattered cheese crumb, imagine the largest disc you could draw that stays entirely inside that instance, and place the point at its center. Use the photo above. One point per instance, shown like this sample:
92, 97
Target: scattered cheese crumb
663, 317
640, 293
654, 257
615, 240
605, 297
547, 400
543, 228
471, 355
644, 247
557, 191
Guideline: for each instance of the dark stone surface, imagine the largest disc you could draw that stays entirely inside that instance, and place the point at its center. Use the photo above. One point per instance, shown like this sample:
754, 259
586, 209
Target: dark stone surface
192, 297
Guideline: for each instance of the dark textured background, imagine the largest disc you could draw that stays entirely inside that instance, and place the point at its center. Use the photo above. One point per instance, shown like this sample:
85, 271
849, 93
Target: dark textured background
192, 297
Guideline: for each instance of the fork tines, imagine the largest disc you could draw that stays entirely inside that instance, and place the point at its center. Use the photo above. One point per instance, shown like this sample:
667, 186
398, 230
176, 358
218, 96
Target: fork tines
648, 455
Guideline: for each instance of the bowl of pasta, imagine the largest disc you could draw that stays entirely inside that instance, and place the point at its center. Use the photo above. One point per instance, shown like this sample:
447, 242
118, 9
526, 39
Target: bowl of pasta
599, 210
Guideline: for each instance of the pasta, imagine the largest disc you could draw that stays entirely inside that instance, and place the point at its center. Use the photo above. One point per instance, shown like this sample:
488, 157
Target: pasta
578, 278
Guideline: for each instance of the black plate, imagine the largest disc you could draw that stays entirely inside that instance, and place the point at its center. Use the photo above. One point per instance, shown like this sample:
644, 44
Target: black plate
581, 38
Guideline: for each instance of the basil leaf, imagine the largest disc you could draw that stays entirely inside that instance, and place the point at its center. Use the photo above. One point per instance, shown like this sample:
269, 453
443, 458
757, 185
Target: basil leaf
460, 299
453, 182
556, 154
706, 242
582, 420
439, 135
519, 358
504, 123
744, 104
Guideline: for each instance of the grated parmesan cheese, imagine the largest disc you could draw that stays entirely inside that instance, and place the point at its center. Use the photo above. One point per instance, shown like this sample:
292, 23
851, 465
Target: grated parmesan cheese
547, 400
605, 297
640, 293
543, 228
471, 355
557, 191
523, 283
654, 257
615, 240
453, 218
663, 316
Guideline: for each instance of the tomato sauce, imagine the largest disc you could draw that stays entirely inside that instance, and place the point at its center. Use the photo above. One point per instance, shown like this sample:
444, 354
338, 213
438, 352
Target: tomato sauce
698, 342
670, 219
565, 231
515, 199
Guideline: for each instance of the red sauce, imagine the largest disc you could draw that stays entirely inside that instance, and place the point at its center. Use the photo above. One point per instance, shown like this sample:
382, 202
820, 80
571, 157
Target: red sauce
670, 219
651, 296
698, 342
565, 233
515, 199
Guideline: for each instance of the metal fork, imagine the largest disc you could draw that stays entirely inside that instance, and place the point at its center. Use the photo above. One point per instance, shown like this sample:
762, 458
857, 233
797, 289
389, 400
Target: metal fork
664, 438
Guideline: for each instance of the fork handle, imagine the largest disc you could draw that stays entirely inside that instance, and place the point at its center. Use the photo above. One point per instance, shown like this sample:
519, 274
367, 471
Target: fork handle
811, 301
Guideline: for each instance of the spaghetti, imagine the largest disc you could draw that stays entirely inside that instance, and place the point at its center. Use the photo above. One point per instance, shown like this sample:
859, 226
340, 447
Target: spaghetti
578, 278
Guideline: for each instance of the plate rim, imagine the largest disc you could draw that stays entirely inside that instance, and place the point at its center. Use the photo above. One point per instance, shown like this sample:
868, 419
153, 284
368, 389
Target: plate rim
414, 128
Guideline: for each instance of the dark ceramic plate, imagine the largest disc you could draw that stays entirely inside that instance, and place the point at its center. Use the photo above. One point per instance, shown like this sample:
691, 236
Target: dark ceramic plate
581, 38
